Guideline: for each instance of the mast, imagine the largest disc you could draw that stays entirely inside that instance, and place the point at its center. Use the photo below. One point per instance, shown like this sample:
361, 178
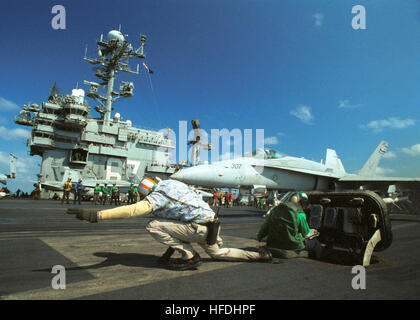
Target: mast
108, 105
113, 56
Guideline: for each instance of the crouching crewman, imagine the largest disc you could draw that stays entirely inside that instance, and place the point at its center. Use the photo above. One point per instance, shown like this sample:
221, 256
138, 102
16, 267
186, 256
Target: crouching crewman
287, 231
182, 218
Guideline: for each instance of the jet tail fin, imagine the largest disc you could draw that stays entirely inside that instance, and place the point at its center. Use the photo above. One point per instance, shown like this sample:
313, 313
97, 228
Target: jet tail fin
372, 163
12, 164
333, 162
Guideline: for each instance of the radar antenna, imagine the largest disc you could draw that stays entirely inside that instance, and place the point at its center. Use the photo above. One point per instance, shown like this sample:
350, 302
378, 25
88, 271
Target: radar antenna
113, 56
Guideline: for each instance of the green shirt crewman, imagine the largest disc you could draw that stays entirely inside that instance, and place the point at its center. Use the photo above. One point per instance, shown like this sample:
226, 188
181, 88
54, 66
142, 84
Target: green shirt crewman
96, 192
97, 189
135, 194
105, 192
286, 227
115, 194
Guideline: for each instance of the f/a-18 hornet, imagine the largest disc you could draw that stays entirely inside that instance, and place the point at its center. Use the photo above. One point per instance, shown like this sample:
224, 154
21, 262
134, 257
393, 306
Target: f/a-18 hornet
275, 171
12, 172
11, 175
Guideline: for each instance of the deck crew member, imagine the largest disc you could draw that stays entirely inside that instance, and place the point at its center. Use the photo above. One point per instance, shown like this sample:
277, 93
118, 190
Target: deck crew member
180, 219
105, 192
287, 230
78, 191
67, 188
96, 194
115, 194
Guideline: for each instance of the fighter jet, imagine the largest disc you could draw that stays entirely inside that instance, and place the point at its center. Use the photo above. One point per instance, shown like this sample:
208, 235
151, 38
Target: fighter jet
275, 171
89, 184
268, 168
3, 178
12, 173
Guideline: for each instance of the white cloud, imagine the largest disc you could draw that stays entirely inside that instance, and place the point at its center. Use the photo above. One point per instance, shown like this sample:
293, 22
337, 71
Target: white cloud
271, 140
7, 105
12, 134
319, 19
393, 123
303, 113
345, 104
414, 150
383, 171
389, 155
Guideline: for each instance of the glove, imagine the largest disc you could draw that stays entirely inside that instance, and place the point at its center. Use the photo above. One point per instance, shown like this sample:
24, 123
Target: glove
84, 214
312, 234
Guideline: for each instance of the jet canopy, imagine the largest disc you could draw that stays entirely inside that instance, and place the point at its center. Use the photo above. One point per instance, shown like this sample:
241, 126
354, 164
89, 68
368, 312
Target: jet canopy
265, 154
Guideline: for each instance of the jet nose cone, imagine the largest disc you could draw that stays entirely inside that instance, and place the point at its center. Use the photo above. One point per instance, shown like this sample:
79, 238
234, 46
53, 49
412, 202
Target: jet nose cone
177, 176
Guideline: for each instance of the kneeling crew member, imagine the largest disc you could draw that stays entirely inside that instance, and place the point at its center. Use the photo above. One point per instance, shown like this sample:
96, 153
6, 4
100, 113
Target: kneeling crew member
182, 218
286, 228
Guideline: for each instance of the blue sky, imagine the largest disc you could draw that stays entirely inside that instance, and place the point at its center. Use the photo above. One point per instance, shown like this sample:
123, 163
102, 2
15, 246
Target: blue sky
296, 69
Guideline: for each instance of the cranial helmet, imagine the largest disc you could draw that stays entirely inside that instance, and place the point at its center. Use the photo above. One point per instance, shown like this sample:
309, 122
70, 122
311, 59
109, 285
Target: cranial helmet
146, 186
303, 195
303, 199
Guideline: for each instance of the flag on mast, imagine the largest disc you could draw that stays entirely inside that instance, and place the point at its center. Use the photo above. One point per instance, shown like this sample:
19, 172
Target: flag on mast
147, 68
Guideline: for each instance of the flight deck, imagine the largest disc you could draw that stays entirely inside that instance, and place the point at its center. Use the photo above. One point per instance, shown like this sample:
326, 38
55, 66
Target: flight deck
117, 260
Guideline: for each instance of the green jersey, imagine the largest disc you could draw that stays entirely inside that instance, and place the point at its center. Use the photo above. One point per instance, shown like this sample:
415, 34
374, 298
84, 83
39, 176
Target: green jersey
285, 228
105, 190
97, 189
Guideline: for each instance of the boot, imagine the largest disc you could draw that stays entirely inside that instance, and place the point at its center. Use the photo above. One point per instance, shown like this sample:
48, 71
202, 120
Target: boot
189, 264
164, 259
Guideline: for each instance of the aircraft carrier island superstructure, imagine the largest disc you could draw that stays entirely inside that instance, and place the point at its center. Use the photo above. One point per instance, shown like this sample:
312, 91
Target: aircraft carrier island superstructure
103, 149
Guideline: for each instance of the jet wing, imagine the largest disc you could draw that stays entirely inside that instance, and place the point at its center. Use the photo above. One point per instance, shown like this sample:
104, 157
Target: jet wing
52, 185
58, 186
301, 170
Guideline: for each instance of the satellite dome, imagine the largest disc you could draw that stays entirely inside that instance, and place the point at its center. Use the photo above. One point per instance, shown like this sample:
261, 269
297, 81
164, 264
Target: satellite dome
117, 116
128, 122
79, 95
115, 35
